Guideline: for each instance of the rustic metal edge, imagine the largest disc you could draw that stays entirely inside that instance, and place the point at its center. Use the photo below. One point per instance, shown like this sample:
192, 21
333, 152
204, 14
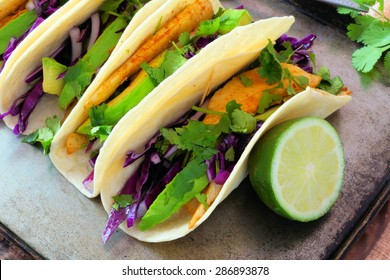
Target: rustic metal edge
30, 252
357, 231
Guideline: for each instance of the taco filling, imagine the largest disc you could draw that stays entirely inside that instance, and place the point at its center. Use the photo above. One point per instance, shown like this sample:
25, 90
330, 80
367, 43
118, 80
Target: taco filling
21, 19
186, 165
180, 39
70, 69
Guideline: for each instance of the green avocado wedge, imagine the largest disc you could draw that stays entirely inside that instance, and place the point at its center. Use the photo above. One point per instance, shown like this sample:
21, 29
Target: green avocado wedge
79, 76
16, 28
157, 71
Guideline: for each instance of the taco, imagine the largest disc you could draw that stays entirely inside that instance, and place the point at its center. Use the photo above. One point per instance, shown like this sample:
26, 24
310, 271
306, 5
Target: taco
167, 165
61, 57
188, 34
19, 18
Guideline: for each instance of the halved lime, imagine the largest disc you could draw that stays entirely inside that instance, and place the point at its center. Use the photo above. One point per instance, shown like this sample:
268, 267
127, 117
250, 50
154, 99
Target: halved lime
297, 168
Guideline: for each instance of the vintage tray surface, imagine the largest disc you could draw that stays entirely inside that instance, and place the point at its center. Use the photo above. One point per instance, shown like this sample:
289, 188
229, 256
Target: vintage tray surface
45, 211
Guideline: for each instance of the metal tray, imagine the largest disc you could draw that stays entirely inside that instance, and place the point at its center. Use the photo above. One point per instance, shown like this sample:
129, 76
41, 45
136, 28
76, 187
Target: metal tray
39, 206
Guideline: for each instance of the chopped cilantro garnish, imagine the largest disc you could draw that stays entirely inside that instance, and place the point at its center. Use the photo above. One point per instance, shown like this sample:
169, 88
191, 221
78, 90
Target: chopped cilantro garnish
44, 135
234, 120
122, 201
173, 60
266, 101
247, 82
328, 84
101, 132
96, 114
272, 70
202, 198
196, 137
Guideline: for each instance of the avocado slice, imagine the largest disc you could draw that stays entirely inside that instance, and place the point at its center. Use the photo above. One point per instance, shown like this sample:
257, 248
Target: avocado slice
16, 28
231, 18
52, 84
140, 87
152, 74
79, 76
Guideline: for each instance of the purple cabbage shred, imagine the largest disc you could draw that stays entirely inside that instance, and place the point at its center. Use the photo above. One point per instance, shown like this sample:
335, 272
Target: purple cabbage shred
43, 8
301, 50
25, 107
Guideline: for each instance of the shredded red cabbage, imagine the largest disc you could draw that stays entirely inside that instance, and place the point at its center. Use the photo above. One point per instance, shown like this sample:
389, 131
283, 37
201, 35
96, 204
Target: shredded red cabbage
153, 175
25, 108
132, 156
301, 50
37, 73
43, 8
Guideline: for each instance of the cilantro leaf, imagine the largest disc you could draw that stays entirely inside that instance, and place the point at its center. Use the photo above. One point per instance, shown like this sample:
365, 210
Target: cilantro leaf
355, 30
365, 58
247, 82
96, 115
328, 84
230, 155
208, 27
101, 132
266, 101
44, 135
285, 55
270, 69
242, 122
196, 137
373, 33
122, 201
184, 39
232, 106
387, 62
376, 34
202, 198
173, 60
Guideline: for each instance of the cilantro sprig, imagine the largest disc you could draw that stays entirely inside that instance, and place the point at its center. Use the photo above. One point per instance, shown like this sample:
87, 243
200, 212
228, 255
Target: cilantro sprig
374, 34
271, 69
44, 135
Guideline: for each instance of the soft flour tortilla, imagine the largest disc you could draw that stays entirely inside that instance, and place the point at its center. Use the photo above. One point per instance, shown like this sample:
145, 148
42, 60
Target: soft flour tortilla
311, 102
75, 167
29, 41
42, 42
199, 78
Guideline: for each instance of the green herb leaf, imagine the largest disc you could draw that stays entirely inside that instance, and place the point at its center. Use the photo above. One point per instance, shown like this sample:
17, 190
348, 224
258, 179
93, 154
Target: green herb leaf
328, 84
184, 39
202, 198
231, 106
173, 60
96, 115
44, 135
196, 137
247, 82
270, 69
122, 201
208, 27
285, 55
387, 62
373, 33
365, 58
242, 122
101, 132
266, 101
230, 155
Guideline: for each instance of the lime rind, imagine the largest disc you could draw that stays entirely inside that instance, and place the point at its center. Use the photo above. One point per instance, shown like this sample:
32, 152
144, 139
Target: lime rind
266, 177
